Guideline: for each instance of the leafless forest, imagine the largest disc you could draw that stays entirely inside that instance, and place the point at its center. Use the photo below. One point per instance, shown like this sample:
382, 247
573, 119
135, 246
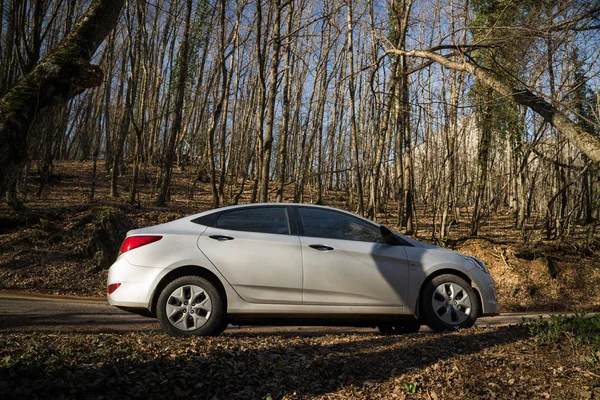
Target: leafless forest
452, 106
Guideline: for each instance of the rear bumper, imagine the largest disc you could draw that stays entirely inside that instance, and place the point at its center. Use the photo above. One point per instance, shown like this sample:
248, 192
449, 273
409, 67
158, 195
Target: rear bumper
136, 285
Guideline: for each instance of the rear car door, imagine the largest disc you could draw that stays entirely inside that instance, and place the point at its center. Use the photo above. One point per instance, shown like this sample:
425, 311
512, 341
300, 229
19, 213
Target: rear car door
346, 261
256, 251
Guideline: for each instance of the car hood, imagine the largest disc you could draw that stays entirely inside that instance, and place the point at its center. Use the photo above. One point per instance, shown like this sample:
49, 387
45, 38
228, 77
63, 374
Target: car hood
420, 244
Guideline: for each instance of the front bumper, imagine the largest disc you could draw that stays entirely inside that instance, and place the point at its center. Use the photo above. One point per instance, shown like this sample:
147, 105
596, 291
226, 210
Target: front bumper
484, 284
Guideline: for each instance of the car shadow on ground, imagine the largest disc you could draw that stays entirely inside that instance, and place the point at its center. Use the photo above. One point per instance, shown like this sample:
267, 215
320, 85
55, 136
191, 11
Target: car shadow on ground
80, 321
252, 366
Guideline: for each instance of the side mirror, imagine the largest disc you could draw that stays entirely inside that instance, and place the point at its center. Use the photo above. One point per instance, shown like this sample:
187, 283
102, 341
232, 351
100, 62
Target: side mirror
388, 236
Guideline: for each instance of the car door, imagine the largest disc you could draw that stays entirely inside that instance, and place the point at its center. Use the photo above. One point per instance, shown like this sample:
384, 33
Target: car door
346, 262
256, 252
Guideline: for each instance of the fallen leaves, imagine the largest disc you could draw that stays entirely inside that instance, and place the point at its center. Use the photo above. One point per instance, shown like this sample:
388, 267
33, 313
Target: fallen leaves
492, 363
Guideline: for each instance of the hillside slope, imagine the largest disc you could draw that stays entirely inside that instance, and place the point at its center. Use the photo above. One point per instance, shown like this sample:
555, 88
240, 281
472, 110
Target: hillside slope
62, 244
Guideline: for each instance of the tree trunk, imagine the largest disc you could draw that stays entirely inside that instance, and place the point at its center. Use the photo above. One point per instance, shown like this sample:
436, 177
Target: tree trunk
482, 163
285, 124
355, 137
267, 143
120, 140
169, 156
408, 158
223, 74
451, 135
61, 75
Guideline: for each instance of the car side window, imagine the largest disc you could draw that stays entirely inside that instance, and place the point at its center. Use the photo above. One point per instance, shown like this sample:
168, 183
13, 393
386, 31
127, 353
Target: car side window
333, 225
261, 220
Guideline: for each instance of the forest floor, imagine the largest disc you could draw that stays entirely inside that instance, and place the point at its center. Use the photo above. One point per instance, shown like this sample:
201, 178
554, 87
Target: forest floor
62, 244
477, 363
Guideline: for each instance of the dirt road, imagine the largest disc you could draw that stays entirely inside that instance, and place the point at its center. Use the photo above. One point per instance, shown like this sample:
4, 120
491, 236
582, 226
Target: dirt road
22, 312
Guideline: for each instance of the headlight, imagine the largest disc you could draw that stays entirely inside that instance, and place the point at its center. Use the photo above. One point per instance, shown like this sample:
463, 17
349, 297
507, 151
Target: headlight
478, 263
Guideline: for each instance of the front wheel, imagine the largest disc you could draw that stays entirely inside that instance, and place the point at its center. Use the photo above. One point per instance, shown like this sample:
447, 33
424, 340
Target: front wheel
448, 303
191, 306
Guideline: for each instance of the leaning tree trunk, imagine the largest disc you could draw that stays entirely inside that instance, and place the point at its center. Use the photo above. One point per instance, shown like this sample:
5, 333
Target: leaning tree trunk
587, 142
61, 75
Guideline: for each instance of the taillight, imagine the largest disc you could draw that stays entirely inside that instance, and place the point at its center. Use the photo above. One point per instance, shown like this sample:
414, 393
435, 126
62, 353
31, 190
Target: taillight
112, 287
133, 242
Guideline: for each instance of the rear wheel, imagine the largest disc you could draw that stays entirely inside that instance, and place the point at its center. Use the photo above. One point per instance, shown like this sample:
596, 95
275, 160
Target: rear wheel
399, 327
191, 306
449, 302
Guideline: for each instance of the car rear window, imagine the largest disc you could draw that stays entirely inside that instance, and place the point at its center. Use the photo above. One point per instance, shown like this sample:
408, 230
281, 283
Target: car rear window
261, 220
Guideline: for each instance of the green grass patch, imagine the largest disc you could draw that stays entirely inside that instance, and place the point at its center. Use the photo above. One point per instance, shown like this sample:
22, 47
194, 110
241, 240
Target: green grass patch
579, 329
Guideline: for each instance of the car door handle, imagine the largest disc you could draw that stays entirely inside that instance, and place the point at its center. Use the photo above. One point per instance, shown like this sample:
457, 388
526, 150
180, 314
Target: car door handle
221, 238
320, 247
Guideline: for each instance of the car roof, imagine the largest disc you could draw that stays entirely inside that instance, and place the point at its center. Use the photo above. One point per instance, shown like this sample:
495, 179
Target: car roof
258, 205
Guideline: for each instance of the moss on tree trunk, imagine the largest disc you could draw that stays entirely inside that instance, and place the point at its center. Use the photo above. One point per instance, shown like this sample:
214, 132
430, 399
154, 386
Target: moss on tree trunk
64, 73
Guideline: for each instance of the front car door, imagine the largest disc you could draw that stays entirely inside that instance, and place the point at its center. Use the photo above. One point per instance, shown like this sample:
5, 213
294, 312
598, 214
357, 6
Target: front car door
256, 251
346, 262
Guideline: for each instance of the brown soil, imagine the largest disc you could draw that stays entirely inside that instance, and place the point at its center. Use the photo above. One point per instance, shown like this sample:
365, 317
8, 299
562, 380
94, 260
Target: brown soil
62, 244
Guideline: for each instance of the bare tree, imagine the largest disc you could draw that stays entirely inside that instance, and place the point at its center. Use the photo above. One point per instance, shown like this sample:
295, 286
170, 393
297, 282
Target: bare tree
355, 136
169, 154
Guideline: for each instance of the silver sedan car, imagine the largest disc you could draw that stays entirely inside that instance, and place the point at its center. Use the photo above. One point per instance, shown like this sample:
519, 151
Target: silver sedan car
294, 264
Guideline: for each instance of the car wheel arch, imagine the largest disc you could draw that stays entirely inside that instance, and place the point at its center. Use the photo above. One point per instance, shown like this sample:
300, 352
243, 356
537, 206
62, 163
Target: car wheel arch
186, 271
445, 271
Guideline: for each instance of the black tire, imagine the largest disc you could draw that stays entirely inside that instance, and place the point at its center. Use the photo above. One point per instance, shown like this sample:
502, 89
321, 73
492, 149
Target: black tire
221, 328
455, 305
179, 315
400, 327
